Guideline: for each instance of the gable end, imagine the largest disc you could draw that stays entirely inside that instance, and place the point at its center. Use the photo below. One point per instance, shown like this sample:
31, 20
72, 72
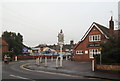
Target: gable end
94, 25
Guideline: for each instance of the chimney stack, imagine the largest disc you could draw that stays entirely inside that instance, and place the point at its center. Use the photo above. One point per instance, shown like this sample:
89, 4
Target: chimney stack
71, 42
111, 26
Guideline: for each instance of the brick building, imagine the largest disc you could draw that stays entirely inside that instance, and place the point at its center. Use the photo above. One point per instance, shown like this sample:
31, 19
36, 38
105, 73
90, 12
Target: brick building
3, 45
90, 43
66, 47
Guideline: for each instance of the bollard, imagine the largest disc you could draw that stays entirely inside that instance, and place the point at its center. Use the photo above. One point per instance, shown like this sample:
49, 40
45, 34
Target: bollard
36, 61
69, 57
57, 62
52, 58
45, 61
15, 58
66, 57
40, 59
61, 59
93, 65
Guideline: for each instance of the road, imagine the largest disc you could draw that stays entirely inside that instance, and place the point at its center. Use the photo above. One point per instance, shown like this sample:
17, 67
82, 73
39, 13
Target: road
13, 71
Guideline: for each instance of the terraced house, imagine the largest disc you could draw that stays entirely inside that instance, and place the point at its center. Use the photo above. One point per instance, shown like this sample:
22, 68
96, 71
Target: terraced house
90, 43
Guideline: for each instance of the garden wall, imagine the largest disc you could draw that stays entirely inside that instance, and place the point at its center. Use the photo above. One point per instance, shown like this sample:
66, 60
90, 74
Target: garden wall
108, 67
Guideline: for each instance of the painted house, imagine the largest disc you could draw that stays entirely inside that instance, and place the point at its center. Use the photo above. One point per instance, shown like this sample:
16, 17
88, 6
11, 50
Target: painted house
90, 43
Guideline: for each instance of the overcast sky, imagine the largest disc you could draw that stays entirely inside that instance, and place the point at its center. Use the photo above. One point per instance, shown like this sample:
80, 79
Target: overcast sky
40, 21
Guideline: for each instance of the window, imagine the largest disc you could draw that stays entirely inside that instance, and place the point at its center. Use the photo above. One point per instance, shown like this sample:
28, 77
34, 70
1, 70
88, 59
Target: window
91, 53
79, 52
94, 38
99, 37
86, 52
90, 38
94, 51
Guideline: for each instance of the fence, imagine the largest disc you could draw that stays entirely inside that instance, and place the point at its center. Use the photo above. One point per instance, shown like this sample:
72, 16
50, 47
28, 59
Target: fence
32, 57
108, 67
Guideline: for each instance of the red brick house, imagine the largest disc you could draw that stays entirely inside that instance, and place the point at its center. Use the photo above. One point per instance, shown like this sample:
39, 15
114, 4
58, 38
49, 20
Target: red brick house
3, 45
90, 43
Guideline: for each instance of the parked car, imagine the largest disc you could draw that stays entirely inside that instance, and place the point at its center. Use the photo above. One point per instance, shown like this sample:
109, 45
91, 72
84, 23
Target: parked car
48, 54
6, 59
56, 54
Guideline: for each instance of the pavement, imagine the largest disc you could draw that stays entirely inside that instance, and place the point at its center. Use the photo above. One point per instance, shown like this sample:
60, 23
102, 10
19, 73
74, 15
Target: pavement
73, 68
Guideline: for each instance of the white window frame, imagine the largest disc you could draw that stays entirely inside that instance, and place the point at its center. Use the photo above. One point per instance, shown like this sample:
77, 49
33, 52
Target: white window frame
99, 37
94, 38
93, 51
79, 52
90, 54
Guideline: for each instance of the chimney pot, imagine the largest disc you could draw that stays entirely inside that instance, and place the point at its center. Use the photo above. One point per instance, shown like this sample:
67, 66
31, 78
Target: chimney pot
111, 25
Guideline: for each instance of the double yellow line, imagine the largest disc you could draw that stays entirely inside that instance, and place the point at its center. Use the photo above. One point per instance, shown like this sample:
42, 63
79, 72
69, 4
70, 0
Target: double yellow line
62, 74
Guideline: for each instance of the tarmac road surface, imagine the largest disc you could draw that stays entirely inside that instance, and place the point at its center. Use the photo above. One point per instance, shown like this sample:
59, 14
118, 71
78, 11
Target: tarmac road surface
13, 71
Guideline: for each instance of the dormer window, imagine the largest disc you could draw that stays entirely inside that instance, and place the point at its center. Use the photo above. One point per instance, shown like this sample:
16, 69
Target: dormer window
94, 38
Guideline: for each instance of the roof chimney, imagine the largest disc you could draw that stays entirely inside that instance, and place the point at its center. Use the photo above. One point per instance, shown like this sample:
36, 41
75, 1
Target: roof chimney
111, 26
71, 42
61, 31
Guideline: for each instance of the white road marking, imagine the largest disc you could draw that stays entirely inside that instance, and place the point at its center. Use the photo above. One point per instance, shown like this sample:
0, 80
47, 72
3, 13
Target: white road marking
18, 76
22, 61
91, 78
21, 77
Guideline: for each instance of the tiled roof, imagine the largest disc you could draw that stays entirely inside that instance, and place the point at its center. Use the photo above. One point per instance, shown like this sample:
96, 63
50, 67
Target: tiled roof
77, 44
104, 29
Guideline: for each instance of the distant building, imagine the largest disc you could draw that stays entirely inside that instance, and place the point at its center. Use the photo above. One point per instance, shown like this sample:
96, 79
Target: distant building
66, 47
26, 50
90, 43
